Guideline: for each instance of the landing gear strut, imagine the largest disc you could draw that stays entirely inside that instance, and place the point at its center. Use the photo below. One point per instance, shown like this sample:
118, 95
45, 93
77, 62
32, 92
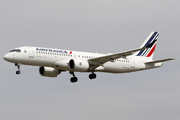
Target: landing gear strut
74, 78
92, 76
18, 66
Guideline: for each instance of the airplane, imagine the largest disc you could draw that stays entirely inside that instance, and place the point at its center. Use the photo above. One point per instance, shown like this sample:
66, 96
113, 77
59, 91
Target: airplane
52, 62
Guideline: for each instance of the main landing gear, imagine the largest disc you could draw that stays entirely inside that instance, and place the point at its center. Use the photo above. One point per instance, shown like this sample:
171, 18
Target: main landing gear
18, 66
92, 76
74, 78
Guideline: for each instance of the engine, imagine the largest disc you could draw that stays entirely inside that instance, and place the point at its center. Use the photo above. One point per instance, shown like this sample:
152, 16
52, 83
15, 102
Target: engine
78, 65
49, 72
72, 65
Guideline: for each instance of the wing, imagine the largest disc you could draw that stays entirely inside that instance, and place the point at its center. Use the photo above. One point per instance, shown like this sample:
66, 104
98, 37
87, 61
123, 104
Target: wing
99, 61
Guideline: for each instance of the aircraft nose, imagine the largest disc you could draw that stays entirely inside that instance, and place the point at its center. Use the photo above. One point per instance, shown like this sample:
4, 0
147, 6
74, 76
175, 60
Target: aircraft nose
8, 57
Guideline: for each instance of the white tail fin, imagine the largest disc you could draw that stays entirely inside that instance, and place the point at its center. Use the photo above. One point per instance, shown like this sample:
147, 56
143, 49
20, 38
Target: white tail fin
152, 41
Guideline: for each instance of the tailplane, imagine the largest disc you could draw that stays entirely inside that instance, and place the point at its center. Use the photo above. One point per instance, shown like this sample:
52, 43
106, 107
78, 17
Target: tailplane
150, 42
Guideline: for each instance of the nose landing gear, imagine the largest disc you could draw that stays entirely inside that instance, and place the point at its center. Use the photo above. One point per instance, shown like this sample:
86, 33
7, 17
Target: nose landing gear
18, 66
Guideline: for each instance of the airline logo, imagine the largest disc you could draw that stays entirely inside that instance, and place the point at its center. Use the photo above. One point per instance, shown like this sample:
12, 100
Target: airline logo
53, 50
148, 52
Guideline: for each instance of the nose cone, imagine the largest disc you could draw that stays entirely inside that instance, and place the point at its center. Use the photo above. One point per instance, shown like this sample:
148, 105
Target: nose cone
8, 57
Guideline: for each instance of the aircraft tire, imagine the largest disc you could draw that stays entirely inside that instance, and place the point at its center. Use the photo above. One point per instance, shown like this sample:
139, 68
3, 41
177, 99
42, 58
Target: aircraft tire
92, 76
18, 72
74, 79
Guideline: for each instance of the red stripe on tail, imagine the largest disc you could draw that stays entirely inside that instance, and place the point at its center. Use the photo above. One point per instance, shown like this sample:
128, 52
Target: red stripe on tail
152, 51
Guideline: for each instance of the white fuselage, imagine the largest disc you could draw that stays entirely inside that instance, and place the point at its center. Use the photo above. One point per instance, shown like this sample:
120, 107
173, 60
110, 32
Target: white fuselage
53, 61
58, 58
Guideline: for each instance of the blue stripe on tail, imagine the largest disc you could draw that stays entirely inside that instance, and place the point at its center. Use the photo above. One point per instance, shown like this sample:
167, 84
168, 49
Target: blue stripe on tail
153, 37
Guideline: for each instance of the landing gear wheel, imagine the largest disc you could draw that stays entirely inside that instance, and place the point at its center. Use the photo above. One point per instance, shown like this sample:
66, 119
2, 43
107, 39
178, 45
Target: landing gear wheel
92, 76
74, 79
18, 66
18, 72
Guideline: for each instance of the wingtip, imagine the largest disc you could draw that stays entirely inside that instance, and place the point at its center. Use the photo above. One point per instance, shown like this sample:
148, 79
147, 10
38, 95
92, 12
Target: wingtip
172, 58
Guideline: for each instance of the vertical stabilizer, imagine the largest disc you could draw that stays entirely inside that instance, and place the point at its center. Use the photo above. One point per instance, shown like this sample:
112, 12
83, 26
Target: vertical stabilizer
152, 41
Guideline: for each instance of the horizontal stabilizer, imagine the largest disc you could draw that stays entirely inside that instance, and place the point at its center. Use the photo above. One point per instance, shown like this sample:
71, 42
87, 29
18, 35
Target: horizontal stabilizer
158, 61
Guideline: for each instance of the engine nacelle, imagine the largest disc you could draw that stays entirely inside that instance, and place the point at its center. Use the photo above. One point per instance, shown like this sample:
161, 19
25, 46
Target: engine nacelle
62, 64
78, 65
49, 71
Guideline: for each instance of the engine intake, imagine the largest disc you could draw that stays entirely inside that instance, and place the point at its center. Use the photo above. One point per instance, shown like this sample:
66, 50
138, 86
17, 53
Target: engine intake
71, 64
78, 65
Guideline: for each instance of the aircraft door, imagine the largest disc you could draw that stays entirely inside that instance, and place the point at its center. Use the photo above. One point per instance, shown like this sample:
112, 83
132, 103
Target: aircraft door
74, 55
132, 63
14, 55
31, 52
125, 64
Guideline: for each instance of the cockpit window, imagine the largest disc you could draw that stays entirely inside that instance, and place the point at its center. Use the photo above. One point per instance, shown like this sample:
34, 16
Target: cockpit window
12, 50
18, 50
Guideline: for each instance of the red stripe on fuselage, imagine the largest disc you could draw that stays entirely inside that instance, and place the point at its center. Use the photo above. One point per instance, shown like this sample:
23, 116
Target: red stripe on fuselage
152, 51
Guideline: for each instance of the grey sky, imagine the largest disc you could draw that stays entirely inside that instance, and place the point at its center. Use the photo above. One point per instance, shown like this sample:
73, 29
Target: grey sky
104, 26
